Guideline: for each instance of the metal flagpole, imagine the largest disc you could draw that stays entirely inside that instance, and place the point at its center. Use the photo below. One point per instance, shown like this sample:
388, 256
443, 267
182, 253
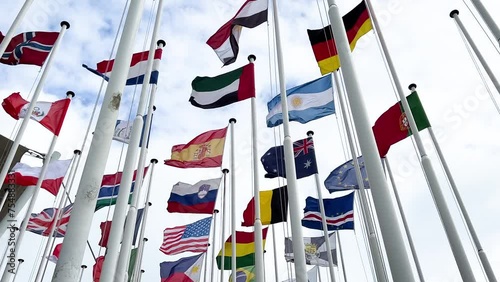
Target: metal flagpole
319, 274
136, 275
275, 252
232, 121
18, 266
393, 240
9, 271
62, 202
5, 195
485, 15
36, 93
323, 221
461, 27
212, 264
341, 256
81, 272
403, 218
291, 176
140, 275
376, 252
223, 224
13, 27
67, 268
147, 204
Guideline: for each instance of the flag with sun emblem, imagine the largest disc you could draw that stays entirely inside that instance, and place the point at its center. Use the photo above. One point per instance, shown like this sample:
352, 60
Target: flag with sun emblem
184, 269
196, 198
306, 102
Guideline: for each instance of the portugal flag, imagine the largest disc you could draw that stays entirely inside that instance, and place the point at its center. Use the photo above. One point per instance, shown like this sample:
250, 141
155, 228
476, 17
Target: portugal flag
357, 23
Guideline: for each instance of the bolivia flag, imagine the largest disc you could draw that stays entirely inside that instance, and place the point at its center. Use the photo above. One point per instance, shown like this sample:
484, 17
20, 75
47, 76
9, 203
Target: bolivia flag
197, 198
186, 269
205, 150
357, 23
392, 126
245, 249
273, 207
225, 89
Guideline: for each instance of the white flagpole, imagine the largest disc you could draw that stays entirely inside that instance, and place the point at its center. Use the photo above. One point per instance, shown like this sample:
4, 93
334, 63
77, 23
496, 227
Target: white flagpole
212, 264
4, 198
62, 202
319, 274
323, 221
342, 257
275, 255
485, 15
36, 93
8, 36
225, 171
291, 176
393, 240
81, 272
9, 272
147, 204
67, 268
376, 252
461, 27
18, 266
140, 275
403, 218
232, 121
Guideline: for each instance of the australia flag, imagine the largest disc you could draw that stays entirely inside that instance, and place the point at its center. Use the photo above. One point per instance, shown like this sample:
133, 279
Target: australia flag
305, 160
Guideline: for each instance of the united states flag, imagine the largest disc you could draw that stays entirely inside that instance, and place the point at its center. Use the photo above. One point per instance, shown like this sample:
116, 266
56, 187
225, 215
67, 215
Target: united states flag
42, 223
187, 238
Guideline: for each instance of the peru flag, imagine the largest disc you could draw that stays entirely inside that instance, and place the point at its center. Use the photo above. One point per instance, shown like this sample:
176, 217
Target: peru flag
49, 114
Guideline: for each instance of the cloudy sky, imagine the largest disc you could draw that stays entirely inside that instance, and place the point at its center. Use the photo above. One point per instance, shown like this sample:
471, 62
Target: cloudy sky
426, 49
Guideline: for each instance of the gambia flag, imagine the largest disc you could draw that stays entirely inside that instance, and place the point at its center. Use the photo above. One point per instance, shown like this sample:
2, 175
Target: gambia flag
392, 126
225, 89
245, 249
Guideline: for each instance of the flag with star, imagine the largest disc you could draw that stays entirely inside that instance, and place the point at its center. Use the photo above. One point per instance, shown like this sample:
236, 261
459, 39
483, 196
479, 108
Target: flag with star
184, 269
192, 237
305, 160
344, 177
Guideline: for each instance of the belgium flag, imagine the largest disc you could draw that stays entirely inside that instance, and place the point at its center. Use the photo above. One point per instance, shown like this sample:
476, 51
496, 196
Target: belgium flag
357, 23
273, 207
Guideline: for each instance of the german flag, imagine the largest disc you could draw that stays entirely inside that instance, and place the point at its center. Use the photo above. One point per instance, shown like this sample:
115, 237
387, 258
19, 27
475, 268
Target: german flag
357, 23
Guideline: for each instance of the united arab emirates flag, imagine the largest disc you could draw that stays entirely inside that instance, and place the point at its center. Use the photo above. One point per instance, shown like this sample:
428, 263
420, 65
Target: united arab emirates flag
392, 126
225, 89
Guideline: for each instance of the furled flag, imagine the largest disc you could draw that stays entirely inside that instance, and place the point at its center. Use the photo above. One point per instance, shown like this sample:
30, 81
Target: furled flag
123, 129
28, 48
311, 275
339, 213
41, 223
187, 238
96, 270
305, 160
244, 274
306, 102
131, 264
136, 71
187, 269
225, 40
25, 175
344, 177
110, 186
392, 126
357, 23
55, 254
245, 249
205, 150
105, 227
315, 250
49, 114
225, 89
197, 198
273, 207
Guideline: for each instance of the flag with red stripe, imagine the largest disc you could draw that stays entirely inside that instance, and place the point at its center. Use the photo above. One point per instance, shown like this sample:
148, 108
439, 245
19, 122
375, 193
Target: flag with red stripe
28, 48
339, 213
187, 238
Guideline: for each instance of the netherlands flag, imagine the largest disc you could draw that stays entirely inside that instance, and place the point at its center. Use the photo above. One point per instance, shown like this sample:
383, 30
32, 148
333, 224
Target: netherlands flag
137, 68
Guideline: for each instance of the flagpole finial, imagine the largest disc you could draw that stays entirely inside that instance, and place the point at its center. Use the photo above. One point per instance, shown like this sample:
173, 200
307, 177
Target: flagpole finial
70, 93
252, 58
161, 43
84, 266
310, 133
412, 86
150, 204
453, 13
216, 211
20, 260
232, 120
225, 170
142, 270
154, 108
154, 161
145, 239
65, 23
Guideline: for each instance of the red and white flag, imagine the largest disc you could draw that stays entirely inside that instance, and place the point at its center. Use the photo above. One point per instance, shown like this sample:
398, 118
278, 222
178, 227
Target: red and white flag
25, 175
55, 254
49, 114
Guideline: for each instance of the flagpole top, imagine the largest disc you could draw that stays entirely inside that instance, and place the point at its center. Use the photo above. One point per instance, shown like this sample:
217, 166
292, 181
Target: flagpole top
161, 43
70, 93
252, 58
84, 266
453, 13
145, 239
310, 133
154, 161
20, 260
216, 211
232, 120
154, 108
225, 170
412, 87
150, 204
77, 152
142, 270
65, 23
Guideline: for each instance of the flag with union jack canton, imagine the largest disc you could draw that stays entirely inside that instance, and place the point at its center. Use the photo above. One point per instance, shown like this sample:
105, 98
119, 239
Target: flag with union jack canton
305, 160
41, 223
29, 48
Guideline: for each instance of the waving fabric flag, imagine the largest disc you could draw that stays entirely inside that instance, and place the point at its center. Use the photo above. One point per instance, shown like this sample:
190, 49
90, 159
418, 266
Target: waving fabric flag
42, 223
106, 228
187, 238
339, 213
225, 40
225, 89
49, 114
306, 102
97, 268
197, 198
245, 249
123, 129
137, 68
205, 150
244, 274
55, 254
305, 160
344, 177
25, 175
315, 250
186, 269
273, 207
28, 48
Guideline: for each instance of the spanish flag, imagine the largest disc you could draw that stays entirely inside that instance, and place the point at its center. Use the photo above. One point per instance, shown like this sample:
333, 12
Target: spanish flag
273, 207
357, 23
245, 249
205, 150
